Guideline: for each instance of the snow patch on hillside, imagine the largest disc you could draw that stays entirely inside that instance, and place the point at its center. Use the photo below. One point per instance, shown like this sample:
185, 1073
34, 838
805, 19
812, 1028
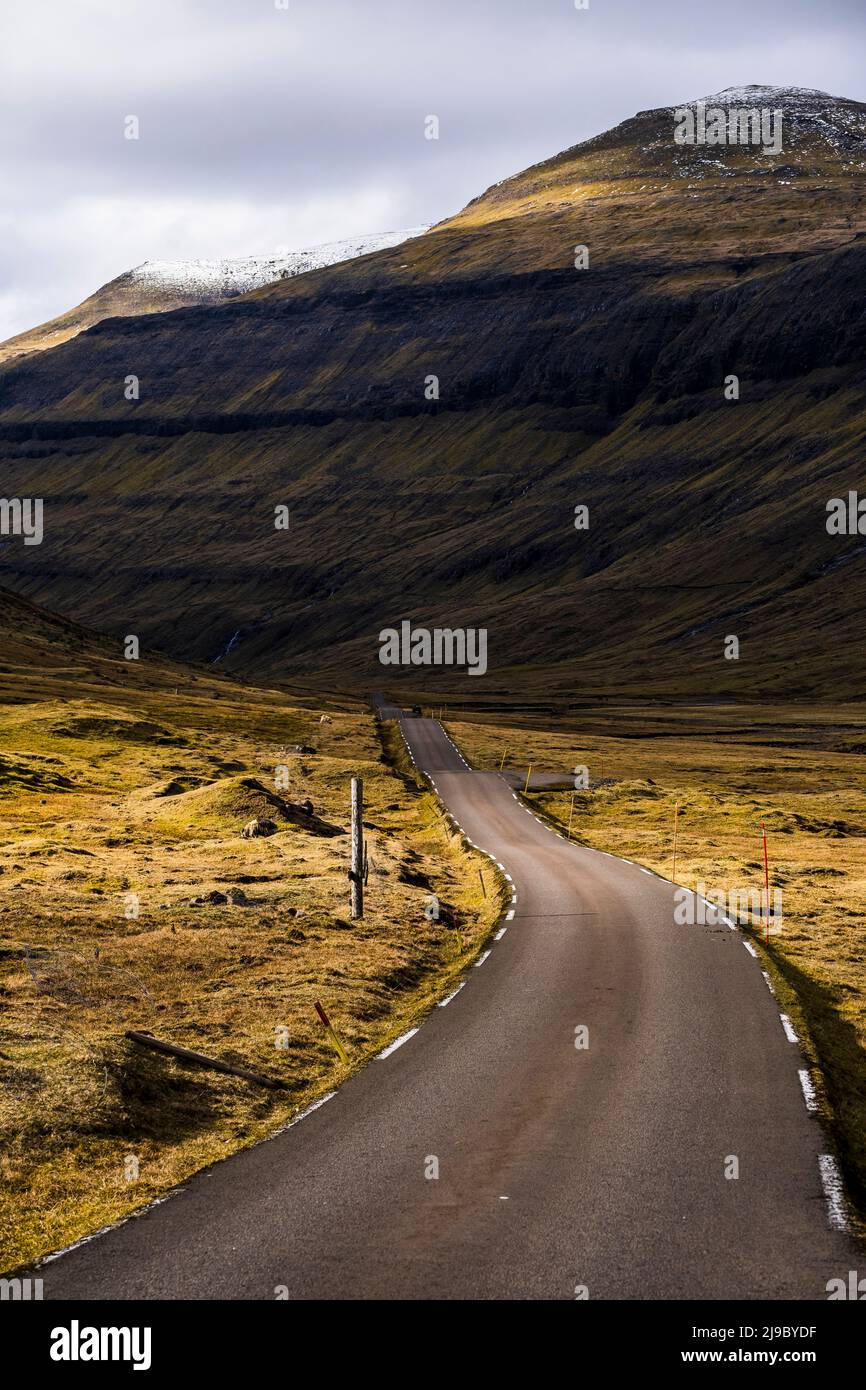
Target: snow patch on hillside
225, 278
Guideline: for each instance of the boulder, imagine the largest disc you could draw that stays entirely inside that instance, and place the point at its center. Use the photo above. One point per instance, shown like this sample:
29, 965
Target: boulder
257, 827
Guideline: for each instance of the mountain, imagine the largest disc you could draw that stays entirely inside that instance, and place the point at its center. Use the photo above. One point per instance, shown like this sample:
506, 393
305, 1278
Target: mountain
557, 387
45, 656
157, 286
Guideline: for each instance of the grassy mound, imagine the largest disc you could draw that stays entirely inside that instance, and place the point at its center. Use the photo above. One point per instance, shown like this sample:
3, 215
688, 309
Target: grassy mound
113, 727
231, 802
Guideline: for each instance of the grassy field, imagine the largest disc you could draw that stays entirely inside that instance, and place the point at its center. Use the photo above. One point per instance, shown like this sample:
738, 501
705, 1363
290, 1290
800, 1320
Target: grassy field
120, 816
799, 772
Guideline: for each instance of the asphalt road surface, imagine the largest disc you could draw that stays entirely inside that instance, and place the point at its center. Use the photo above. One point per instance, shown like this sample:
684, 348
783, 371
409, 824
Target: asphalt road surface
561, 1169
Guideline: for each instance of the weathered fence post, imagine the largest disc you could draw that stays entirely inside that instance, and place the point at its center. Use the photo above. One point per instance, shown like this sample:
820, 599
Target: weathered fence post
356, 875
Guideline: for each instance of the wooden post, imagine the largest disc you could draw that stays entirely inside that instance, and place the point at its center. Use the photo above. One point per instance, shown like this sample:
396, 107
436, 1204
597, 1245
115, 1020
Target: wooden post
571, 813
356, 875
483, 885
676, 822
199, 1058
502, 763
528, 775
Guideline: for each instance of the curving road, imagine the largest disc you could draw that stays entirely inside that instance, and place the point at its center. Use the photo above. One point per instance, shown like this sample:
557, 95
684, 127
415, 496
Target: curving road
559, 1167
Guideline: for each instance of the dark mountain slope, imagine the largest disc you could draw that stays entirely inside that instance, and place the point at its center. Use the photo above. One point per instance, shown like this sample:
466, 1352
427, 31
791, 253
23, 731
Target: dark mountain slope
158, 286
558, 386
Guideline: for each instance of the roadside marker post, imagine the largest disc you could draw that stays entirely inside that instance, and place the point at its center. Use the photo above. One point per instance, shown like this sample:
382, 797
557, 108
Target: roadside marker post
483, 885
502, 761
766, 882
676, 826
332, 1034
356, 873
571, 813
528, 775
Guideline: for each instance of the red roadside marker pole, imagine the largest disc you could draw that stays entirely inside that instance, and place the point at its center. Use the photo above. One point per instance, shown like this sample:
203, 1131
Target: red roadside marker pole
766, 882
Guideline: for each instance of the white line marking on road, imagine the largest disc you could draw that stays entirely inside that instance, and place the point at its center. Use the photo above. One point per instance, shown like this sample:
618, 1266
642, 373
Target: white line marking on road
309, 1110
834, 1191
392, 1047
452, 995
769, 983
750, 948
104, 1230
481, 959
788, 1027
808, 1091
644, 871
499, 935
509, 916
510, 879
167, 1196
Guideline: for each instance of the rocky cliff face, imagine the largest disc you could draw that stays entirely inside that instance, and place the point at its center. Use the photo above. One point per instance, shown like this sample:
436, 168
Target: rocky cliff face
563, 377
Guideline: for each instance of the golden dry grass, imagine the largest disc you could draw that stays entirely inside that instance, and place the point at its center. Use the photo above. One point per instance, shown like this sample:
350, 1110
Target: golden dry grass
135, 804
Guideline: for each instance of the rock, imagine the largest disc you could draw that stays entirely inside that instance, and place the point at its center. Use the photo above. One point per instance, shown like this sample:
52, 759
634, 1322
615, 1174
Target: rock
215, 897
238, 897
301, 748
257, 827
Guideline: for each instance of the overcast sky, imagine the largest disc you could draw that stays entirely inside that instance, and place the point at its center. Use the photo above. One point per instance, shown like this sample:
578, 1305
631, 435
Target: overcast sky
265, 128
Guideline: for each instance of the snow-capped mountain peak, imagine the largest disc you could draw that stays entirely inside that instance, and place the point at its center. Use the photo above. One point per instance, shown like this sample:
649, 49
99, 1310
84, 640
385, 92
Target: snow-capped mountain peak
219, 279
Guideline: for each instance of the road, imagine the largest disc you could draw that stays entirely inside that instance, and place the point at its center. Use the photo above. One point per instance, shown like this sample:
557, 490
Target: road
561, 1169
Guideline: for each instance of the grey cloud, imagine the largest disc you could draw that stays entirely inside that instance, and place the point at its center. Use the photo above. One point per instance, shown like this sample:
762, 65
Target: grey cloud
262, 127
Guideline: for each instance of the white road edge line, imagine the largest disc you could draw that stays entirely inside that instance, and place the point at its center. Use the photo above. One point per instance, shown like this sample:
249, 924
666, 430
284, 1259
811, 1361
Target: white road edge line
789, 1028
452, 995
172, 1192
834, 1191
392, 1047
808, 1091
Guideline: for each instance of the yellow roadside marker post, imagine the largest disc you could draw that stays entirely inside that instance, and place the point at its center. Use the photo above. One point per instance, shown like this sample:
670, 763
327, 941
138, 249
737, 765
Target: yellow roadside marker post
331, 1031
528, 775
